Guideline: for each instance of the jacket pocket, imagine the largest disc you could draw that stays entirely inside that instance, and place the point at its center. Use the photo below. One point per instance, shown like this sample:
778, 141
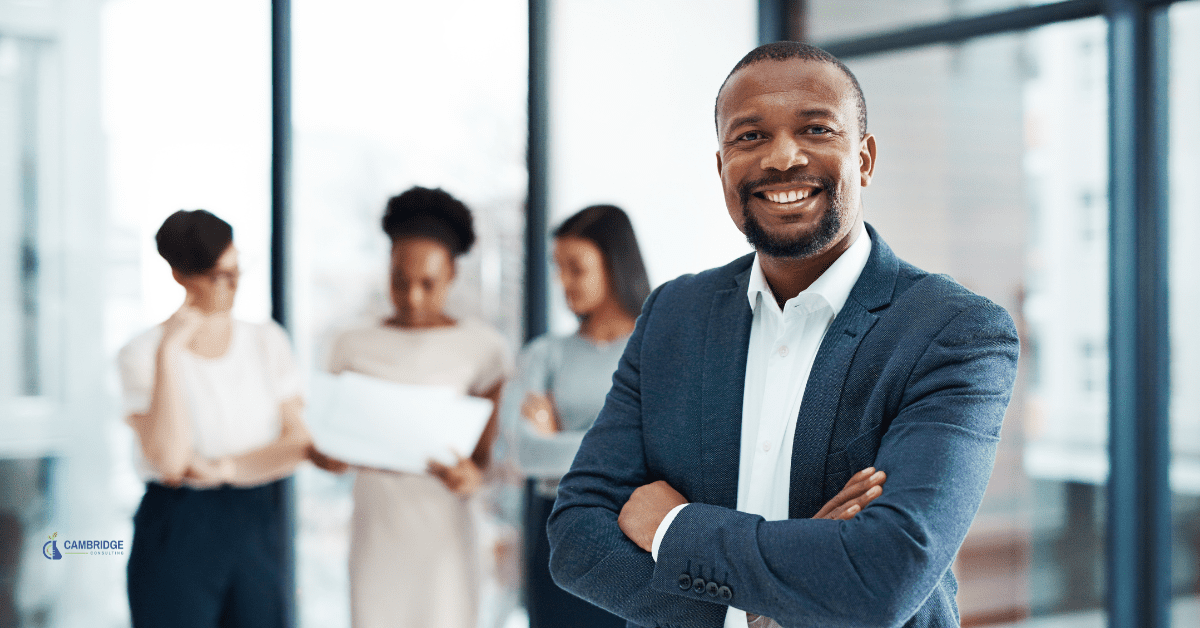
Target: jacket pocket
857, 455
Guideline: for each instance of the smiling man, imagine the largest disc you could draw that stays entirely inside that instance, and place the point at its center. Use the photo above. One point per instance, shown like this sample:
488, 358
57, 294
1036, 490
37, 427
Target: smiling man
749, 395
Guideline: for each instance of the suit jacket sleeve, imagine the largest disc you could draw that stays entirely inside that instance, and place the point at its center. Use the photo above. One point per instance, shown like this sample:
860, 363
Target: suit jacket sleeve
878, 568
590, 556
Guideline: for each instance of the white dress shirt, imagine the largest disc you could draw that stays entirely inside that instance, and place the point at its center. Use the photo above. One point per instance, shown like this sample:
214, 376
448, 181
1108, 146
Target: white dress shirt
783, 347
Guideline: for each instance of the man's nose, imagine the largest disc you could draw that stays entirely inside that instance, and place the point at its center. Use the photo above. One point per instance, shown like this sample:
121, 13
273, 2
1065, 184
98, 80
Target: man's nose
784, 153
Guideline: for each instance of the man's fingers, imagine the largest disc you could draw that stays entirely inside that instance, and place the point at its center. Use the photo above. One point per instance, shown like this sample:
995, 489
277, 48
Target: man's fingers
862, 478
860, 475
856, 487
854, 506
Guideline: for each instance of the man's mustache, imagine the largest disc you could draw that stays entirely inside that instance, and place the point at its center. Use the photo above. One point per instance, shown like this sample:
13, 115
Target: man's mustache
746, 190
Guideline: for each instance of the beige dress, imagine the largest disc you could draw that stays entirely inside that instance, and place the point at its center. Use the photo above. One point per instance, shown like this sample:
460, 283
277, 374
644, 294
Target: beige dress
412, 557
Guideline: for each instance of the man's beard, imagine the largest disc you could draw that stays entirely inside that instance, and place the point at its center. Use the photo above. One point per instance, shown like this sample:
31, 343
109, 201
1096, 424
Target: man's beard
804, 245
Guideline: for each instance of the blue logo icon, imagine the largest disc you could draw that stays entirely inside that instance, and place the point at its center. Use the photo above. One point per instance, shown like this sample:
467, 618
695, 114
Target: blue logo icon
50, 549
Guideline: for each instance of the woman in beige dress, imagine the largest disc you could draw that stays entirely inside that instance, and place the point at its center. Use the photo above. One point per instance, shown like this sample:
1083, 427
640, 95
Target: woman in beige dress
412, 560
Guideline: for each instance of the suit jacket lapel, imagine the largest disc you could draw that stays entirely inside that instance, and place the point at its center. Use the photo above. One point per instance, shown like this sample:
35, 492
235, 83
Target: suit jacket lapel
727, 342
823, 393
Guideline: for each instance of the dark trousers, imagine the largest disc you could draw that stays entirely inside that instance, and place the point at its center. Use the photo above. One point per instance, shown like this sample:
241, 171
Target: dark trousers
547, 604
209, 558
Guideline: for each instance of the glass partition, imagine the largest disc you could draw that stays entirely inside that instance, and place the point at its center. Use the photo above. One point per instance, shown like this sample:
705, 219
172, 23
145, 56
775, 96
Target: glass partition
1184, 195
388, 95
185, 108
992, 168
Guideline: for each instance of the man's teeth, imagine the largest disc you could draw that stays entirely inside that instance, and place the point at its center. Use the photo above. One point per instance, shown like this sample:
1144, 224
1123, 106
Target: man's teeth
788, 196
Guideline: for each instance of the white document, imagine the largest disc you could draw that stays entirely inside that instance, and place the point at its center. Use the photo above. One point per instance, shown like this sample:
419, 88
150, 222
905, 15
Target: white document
373, 422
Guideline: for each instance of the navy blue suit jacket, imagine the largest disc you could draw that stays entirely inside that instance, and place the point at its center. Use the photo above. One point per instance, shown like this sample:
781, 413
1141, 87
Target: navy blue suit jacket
913, 377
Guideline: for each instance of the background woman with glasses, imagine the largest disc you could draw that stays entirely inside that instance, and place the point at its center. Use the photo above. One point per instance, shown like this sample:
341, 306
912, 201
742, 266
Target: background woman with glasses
216, 406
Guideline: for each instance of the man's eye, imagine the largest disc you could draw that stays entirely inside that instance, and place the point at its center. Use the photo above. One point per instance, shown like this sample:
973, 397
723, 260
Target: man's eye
819, 130
750, 136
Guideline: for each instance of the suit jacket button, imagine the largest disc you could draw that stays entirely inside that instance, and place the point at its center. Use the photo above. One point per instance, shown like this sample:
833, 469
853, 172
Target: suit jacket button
685, 581
726, 593
711, 589
698, 585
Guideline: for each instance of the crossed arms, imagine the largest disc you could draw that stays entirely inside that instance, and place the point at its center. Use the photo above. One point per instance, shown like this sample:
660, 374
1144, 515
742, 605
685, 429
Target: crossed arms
875, 569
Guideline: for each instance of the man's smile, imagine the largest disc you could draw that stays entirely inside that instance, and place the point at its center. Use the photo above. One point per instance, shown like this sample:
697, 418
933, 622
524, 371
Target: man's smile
788, 196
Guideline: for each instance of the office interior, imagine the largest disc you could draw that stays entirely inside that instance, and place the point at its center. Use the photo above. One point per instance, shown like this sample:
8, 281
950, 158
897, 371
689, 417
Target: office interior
1043, 154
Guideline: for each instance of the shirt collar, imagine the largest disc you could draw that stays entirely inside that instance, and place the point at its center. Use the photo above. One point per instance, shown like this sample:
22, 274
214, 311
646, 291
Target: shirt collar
834, 285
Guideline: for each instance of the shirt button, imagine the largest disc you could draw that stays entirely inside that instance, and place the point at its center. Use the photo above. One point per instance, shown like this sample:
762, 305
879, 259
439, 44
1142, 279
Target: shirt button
783, 351
766, 446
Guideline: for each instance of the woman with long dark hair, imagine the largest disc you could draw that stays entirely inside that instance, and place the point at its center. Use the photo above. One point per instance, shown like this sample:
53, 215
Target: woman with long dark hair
560, 387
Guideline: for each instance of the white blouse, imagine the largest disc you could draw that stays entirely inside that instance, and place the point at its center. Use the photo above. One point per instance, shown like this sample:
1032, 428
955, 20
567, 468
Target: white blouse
232, 400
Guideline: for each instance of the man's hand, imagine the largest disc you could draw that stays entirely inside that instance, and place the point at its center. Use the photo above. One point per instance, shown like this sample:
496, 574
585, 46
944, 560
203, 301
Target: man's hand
861, 489
646, 508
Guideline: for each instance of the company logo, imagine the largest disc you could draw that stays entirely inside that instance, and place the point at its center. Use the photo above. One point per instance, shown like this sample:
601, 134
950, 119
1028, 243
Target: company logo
84, 547
50, 549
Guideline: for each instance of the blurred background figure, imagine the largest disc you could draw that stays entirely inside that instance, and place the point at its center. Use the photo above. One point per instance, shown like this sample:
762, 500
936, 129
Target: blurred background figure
216, 406
561, 383
412, 555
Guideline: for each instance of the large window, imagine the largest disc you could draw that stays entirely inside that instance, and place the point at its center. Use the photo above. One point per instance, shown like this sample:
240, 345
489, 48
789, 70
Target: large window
999, 154
54, 440
388, 95
30, 376
992, 169
1184, 158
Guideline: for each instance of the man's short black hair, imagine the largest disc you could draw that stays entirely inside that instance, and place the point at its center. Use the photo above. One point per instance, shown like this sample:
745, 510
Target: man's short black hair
193, 241
430, 213
788, 50
609, 228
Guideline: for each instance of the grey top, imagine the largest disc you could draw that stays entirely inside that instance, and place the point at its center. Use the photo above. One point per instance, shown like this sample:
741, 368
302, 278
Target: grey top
577, 374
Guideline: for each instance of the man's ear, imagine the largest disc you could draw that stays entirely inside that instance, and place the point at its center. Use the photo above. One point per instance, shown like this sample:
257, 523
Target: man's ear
178, 276
720, 166
866, 160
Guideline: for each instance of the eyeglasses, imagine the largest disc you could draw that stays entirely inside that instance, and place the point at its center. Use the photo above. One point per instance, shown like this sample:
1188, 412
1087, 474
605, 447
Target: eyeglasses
230, 276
